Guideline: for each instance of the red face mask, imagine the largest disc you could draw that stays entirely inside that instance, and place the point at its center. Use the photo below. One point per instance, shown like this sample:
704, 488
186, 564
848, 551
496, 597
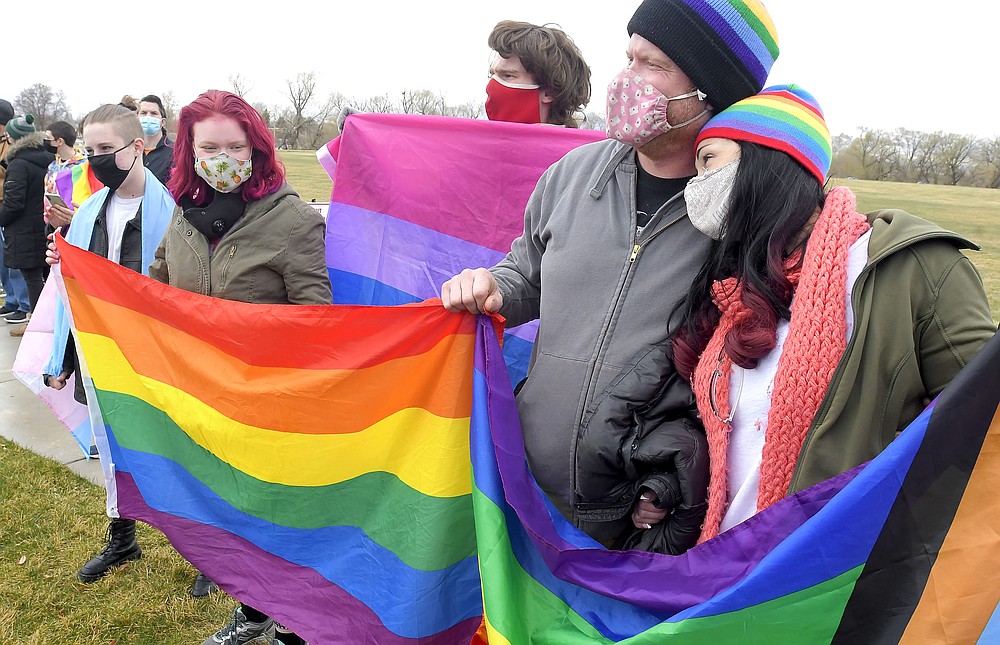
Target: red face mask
514, 103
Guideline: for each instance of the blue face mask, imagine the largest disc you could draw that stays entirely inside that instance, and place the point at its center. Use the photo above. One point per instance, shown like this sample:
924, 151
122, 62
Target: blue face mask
150, 125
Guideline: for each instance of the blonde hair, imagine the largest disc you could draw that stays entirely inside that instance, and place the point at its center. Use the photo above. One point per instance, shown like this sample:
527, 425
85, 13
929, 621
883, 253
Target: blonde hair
123, 121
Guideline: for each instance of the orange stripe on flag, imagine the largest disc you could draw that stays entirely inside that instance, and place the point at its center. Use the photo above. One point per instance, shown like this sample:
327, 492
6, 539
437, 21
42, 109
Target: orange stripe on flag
963, 589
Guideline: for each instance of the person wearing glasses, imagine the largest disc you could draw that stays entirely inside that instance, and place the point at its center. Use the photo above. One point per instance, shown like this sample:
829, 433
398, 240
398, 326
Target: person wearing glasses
813, 334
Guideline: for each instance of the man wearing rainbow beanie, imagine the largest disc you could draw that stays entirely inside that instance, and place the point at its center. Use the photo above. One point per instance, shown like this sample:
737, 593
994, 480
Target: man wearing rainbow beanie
607, 249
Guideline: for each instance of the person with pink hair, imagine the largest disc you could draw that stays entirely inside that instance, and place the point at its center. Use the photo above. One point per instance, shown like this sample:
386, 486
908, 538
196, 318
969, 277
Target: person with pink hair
239, 232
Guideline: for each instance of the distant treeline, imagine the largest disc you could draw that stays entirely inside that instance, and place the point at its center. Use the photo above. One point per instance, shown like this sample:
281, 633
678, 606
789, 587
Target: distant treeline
918, 157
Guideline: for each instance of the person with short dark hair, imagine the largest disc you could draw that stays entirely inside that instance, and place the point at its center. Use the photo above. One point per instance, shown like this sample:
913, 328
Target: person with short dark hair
159, 156
538, 75
60, 140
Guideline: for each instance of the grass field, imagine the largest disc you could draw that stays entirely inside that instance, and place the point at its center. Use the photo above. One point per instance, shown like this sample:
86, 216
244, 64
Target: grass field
51, 521
306, 176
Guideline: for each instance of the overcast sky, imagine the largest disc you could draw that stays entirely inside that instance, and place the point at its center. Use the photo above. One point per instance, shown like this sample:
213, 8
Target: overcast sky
876, 63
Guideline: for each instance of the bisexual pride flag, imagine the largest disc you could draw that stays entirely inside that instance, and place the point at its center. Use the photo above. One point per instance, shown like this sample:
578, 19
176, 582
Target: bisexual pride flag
416, 199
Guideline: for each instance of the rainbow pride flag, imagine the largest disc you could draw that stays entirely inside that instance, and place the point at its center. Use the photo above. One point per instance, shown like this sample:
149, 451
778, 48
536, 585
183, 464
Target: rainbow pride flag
416, 199
77, 183
905, 549
312, 460
315, 461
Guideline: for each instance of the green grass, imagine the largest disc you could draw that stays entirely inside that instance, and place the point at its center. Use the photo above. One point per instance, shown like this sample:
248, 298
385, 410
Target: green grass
54, 520
971, 212
306, 176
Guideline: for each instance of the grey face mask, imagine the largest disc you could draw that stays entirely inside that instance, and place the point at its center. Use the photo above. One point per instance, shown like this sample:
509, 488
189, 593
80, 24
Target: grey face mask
707, 197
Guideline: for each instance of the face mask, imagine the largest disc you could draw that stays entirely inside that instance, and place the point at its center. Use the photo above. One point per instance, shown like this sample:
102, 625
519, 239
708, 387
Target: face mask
223, 172
49, 147
150, 125
708, 196
637, 111
512, 102
106, 168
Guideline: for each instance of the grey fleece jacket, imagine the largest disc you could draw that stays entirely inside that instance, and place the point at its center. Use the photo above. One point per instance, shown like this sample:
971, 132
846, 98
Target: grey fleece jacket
599, 293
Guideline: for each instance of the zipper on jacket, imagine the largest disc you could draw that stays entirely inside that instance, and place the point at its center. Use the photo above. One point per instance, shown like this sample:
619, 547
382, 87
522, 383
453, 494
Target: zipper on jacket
605, 333
225, 267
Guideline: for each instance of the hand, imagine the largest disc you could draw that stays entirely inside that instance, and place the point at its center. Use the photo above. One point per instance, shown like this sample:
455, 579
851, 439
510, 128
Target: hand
51, 255
57, 382
472, 290
59, 215
342, 117
645, 514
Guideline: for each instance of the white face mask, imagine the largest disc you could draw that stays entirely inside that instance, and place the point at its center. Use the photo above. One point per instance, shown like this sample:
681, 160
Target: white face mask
223, 172
707, 197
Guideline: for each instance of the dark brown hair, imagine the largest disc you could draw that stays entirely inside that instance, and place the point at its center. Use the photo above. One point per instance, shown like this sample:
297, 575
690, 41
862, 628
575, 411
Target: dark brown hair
553, 59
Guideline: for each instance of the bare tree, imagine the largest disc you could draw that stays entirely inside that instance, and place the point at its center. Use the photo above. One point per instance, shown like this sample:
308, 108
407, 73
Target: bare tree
422, 102
954, 157
325, 126
380, 104
594, 121
46, 104
241, 85
301, 90
987, 157
877, 152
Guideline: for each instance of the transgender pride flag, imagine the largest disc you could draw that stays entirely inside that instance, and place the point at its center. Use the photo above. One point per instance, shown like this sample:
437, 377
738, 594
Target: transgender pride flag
416, 199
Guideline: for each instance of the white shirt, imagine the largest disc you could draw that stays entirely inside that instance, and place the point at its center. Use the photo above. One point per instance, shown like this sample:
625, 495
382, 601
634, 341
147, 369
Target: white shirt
750, 400
120, 212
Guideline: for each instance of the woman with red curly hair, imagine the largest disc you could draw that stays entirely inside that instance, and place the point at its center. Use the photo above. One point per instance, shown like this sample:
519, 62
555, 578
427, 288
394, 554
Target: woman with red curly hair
813, 333
239, 233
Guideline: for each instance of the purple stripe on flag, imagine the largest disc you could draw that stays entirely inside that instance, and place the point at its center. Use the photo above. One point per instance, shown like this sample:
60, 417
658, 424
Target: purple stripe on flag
402, 255
660, 583
277, 578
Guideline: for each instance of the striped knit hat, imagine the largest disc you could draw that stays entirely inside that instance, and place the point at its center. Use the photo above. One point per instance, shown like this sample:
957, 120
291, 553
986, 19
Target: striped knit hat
726, 47
783, 117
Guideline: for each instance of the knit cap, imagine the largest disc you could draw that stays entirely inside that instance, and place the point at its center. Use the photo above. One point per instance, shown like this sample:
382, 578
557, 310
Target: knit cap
783, 117
6, 111
22, 125
726, 47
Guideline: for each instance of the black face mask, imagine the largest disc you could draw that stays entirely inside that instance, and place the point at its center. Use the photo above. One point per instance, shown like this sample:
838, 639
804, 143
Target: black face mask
107, 171
49, 147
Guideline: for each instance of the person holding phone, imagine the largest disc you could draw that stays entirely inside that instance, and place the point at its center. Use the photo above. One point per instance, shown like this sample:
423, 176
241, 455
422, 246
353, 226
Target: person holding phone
60, 140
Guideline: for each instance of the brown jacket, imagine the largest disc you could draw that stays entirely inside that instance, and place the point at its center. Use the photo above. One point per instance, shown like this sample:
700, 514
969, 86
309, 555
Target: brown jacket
275, 254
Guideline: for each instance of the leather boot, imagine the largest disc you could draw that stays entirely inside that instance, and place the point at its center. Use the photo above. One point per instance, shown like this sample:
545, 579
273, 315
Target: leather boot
202, 586
121, 548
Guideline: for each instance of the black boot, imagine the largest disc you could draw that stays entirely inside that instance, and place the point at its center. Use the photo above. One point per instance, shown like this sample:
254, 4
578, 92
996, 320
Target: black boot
121, 548
202, 586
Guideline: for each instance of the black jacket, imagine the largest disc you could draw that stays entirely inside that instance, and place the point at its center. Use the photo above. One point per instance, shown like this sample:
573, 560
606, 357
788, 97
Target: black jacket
160, 160
130, 258
643, 432
22, 207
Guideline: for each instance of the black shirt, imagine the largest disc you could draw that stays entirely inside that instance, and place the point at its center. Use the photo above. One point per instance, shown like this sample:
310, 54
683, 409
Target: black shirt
653, 192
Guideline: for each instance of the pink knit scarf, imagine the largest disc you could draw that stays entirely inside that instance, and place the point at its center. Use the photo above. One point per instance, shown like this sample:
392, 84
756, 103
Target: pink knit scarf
817, 337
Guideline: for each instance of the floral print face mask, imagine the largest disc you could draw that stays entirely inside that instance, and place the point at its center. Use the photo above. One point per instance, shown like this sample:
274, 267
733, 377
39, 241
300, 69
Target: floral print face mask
223, 172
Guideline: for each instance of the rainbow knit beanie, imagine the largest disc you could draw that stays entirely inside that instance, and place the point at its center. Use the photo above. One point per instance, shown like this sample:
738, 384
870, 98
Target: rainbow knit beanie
783, 117
726, 47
